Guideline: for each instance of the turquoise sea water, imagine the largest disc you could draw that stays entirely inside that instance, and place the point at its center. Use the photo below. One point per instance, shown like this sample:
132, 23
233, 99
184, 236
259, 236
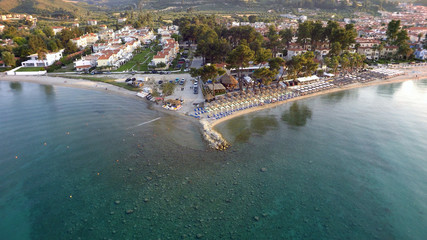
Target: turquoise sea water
83, 164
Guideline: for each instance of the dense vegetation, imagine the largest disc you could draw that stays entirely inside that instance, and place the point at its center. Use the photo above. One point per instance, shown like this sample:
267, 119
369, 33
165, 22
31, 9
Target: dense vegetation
38, 41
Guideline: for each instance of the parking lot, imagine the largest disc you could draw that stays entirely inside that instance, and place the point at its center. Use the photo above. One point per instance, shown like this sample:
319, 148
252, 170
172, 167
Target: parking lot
186, 92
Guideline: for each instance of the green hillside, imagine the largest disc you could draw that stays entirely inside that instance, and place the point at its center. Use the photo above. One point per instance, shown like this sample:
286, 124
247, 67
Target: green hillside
45, 7
242, 5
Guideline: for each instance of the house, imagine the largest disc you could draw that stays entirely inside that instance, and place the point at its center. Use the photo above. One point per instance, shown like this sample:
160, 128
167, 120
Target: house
57, 30
105, 60
85, 63
106, 34
91, 38
122, 20
103, 27
421, 54
85, 40
48, 59
75, 24
295, 52
1, 28
80, 42
92, 22
82, 65
97, 47
160, 57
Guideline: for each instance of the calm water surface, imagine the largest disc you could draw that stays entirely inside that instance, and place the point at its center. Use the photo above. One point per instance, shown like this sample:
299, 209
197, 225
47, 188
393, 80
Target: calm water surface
83, 164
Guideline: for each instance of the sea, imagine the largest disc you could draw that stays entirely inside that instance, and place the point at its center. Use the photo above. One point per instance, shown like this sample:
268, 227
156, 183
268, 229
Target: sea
84, 164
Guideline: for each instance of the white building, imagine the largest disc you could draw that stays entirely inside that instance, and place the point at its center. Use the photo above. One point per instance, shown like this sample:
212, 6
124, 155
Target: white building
421, 54
80, 42
85, 40
57, 30
92, 22
2, 28
121, 20
48, 60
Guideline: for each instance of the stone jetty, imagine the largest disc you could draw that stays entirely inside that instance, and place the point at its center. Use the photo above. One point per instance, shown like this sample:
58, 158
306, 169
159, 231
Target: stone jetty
214, 138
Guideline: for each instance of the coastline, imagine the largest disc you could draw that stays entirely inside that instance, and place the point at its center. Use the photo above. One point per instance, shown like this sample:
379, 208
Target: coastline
415, 73
74, 83
403, 78
211, 135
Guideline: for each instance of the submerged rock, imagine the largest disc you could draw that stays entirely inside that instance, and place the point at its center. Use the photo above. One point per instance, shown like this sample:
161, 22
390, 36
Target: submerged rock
117, 202
199, 236
263, 169
129, 211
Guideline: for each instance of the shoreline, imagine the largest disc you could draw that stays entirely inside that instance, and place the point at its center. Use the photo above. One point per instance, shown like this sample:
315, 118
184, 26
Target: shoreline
73, 83
207, 127
397, 79
415, 73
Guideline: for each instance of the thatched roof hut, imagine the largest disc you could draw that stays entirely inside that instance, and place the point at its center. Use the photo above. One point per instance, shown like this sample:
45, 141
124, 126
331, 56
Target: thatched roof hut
228, 81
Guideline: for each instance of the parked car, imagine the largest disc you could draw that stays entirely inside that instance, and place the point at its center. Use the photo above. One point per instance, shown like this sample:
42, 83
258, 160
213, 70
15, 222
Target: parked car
160, 82
182, 82
196, 89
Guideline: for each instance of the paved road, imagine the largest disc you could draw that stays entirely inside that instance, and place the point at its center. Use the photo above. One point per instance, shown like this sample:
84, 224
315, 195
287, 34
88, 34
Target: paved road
197, 62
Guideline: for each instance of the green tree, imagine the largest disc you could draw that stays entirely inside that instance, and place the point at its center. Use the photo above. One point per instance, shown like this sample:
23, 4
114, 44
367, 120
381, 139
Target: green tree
333, 63
20, 40
335, 49
253, 18
405, 50
277, 64
262, 56
302, 65
36, 44
273, 39
317, 33
48, 31
304, 32
286, 36
401, 37
345, 62
265, 75
10, 32
52, 46
70, 47
239, 58
89, 29
392, 30
8, 58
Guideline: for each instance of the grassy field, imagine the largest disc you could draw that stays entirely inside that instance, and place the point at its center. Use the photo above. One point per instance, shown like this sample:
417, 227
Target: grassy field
135, 63
30, 69
69, 68
106, 80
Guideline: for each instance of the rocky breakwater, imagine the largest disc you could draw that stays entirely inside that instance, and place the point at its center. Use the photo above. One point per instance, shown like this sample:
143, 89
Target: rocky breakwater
214, 138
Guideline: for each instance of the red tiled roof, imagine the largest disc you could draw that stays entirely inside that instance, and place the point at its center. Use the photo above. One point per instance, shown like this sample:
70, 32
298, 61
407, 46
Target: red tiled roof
84, 66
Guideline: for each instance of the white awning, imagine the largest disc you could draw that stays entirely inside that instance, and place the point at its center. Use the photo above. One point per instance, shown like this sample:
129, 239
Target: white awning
307, 79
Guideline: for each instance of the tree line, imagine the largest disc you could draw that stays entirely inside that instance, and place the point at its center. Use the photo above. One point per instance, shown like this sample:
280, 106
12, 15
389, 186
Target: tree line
38, 41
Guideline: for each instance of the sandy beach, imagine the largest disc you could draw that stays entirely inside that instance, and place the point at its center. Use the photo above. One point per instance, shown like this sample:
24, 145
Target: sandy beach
416, 73
67, 82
